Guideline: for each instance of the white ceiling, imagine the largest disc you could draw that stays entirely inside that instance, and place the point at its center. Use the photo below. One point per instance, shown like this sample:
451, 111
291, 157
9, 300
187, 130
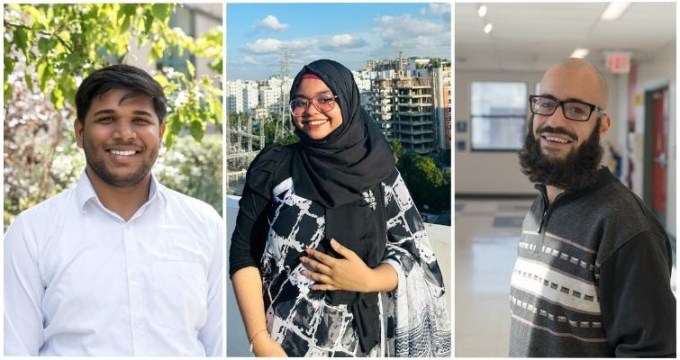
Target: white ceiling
532, 36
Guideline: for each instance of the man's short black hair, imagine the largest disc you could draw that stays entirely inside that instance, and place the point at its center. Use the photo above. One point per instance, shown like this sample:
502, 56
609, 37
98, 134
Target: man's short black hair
123, 77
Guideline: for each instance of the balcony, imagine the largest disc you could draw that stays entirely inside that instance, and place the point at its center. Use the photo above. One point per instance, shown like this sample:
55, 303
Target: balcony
419, 131
422, 140
414, 95
415, 122
237, 341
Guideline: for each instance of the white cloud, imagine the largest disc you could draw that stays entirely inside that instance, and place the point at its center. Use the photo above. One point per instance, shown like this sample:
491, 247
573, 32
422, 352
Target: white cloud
272, 23
437, 8
414, 34
263, 46
250, 60
395, 27
342, 41
303, 45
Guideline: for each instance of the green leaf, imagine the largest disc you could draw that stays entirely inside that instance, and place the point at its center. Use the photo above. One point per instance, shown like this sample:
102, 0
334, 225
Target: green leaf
169, 139
44, 45
57, 98
28, 78
197, 129
67, 84
157, 49
191, 68
20, 39
161, 11
125, 26
216, 107
9, 67
148, 22
43, 71
174, 125
7, 93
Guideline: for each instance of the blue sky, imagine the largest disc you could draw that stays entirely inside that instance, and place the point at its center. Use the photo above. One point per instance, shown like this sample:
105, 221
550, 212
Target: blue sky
350, 33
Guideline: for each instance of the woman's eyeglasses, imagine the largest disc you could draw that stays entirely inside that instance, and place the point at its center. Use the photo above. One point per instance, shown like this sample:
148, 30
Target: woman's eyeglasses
324, 103
572, 109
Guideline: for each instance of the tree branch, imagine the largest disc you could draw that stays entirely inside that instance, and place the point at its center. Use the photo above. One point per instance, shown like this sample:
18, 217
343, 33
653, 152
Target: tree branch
41, 32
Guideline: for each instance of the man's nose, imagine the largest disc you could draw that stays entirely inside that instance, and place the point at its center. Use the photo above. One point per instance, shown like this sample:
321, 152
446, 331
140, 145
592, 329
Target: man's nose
124, 131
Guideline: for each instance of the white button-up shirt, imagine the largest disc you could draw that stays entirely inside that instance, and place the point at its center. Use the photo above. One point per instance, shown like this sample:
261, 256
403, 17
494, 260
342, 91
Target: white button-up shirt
80, 280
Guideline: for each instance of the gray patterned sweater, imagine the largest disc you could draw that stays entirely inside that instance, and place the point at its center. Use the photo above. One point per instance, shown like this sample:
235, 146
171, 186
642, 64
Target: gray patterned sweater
592, 277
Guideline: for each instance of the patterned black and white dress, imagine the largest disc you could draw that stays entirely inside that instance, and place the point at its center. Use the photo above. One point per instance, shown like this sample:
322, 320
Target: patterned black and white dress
414, 316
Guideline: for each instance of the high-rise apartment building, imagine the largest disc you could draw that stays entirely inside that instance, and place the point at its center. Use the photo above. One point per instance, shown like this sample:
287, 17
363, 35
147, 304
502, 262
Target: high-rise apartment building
414, 118
250, 96
235, 96
411, 100
441, 86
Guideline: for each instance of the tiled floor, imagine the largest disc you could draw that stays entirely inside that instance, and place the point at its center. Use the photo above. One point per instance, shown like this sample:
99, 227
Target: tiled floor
486, 247
486, 235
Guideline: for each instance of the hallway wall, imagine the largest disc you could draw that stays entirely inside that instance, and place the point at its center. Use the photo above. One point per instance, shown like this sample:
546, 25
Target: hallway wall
499, 172
478, 172
653, 74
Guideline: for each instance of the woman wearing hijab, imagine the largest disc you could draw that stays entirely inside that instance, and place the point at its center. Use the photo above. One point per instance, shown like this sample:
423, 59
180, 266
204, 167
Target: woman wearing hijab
329, 256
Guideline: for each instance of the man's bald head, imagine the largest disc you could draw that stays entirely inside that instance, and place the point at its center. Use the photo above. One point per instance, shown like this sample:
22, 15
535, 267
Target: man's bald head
573, 69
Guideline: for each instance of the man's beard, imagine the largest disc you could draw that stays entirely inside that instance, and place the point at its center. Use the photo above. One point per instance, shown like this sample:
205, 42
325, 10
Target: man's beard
98, 166
578, 170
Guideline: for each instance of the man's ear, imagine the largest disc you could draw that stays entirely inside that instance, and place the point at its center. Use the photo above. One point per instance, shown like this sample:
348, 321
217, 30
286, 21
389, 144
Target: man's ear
79, 127
605, 124
161, 131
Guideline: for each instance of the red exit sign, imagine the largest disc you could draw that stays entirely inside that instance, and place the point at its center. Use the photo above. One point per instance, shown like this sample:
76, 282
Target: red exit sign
618, 63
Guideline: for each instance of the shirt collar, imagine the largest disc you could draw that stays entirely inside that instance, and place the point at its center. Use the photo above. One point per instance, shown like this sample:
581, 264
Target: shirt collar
85, 192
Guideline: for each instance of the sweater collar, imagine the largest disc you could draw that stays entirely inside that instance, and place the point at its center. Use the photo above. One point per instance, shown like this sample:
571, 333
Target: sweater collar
604, 178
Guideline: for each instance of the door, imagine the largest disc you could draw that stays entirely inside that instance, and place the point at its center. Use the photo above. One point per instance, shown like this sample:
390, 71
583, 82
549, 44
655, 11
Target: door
659, 152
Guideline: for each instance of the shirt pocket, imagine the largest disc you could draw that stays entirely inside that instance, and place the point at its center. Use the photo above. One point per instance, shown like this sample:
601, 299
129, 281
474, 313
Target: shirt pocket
179, 295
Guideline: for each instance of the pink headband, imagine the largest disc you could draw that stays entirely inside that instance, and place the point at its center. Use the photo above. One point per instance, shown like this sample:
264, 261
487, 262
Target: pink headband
309, 76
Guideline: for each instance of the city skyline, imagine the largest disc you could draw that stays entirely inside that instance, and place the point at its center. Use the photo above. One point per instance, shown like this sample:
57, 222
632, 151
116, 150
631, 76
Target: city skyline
354, 34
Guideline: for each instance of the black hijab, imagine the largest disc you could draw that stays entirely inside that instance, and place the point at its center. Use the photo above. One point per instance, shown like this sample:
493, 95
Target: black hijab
351, 158
343, 172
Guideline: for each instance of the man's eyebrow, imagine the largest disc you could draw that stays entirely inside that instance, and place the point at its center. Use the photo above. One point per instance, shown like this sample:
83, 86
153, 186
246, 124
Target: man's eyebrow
111, 111
142, 112
567, 99
104, 112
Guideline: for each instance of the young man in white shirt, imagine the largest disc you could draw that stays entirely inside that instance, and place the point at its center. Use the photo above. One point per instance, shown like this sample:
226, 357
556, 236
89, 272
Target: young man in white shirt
118, 264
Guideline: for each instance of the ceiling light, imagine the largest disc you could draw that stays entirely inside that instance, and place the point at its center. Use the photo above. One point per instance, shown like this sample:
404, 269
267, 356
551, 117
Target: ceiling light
614, 10
481, 11
579, 53
487, 28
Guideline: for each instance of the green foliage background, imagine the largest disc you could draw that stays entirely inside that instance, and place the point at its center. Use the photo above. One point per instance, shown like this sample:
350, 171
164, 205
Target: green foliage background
49, 49
427, 184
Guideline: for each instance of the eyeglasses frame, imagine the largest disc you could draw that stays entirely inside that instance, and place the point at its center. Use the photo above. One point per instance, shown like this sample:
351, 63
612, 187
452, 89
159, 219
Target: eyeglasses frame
560, 103
310, 101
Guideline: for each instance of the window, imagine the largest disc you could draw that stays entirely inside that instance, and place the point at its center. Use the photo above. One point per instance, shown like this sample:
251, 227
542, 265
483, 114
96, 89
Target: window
498, 115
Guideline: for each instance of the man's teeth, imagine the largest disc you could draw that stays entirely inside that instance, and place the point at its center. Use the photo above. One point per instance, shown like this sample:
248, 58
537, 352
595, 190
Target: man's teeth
123, 152
556, 139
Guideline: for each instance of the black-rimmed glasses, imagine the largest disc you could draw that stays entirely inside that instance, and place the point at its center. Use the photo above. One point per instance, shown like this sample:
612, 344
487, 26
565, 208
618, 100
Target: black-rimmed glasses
324, 103
572, 109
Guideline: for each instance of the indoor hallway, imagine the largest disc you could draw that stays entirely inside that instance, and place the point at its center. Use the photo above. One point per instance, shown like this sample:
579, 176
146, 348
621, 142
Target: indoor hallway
487, 232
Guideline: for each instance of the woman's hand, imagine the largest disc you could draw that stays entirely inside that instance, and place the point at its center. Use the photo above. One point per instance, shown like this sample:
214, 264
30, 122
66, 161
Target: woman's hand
266, 346
348, 273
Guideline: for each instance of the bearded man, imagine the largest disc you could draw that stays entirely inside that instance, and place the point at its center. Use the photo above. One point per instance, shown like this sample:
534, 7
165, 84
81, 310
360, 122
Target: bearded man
592, 277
